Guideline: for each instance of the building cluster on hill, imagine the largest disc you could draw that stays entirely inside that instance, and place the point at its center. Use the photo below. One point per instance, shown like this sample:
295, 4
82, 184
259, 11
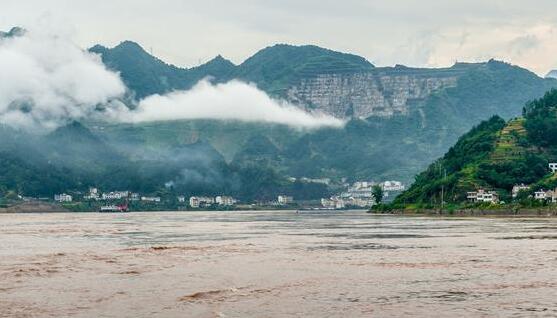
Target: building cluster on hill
549, 195
203, 202
63, 197
95, 195
194, 201
485, 196
360, 194
356, 195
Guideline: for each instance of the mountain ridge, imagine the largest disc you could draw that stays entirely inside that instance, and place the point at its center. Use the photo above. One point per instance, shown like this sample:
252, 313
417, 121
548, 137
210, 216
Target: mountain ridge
307, 76
391, 111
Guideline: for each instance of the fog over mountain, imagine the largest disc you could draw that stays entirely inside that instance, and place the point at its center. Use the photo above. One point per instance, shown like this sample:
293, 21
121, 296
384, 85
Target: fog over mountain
48, 81
234, 100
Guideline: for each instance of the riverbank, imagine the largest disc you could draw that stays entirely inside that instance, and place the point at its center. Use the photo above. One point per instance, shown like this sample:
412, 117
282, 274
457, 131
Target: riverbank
539, 212
33, 207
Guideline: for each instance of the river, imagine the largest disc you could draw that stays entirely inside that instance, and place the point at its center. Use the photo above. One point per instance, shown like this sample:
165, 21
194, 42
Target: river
275, 264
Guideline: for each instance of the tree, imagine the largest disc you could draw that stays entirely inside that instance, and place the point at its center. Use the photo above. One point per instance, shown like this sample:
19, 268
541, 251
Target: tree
377, 193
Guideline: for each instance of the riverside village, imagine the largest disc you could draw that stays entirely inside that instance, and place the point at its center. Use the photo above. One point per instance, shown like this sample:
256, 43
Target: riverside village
357, 195
482, 195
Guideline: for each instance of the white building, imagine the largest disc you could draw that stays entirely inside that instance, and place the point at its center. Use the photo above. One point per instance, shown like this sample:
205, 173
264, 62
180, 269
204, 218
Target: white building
519, 187
196, 202
325, 181
285, 199
361, 189
333, 203
393, 186
363, 184
115, 195
151, 199
360, 202
553, 167
550, 196
483, 196
181, 199
63, 198
92, 195
360, 194
540, 195
225, 200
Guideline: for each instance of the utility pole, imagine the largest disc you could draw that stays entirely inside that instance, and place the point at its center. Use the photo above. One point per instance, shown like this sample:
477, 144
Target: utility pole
443, 189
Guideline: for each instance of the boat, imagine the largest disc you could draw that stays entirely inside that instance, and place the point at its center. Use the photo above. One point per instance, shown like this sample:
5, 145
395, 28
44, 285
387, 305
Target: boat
114, 208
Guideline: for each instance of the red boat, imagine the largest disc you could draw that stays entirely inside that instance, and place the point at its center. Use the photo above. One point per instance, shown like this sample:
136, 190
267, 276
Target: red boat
114, 208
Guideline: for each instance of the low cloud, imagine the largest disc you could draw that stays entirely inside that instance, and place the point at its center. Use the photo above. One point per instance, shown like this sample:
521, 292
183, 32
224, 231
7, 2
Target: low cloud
234, 100
46, 80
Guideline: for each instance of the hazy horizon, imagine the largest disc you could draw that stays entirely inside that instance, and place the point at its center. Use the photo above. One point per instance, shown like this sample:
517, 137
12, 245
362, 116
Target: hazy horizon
425, 34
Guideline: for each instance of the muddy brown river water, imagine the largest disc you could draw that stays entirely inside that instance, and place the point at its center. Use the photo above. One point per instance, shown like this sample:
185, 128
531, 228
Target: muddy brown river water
275, 264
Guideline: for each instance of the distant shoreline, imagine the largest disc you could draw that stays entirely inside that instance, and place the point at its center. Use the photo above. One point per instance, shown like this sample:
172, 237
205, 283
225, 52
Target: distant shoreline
45, 207
34, 207
471, 213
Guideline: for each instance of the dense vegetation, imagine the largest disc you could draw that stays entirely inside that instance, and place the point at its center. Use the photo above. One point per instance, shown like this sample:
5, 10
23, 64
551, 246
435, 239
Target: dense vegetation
145, 74
495, 155
71, 159
277, 67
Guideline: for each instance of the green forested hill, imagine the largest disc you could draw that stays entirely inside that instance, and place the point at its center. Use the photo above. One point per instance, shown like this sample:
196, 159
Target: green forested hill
72, 158
273, 68
277, 67
377, 148
145, 74
494, 155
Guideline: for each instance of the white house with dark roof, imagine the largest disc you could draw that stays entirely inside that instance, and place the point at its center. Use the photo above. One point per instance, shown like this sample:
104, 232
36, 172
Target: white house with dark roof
483, 196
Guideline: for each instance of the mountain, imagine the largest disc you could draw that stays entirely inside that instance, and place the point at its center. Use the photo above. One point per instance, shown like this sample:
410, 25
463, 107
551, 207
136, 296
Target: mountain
340, 84
146, 75
275, 69
495, 155
399, 118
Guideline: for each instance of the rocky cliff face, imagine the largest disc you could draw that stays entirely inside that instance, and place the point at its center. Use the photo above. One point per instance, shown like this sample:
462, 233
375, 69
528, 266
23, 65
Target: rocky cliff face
381, 92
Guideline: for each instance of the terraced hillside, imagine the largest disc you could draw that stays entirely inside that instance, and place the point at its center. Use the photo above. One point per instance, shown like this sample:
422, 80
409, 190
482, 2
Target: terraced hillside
496, 155
511, 142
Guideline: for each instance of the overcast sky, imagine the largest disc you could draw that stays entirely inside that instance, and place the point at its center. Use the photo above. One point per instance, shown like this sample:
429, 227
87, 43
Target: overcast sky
411, 32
